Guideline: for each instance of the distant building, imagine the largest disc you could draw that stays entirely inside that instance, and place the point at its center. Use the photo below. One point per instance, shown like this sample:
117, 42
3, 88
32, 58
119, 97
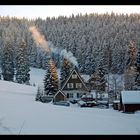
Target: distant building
77, 86
73, 88
59, 96
130, 101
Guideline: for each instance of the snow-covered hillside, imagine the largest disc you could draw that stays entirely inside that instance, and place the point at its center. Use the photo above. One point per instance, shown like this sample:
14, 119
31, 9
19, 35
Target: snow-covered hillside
21, 114
36, 76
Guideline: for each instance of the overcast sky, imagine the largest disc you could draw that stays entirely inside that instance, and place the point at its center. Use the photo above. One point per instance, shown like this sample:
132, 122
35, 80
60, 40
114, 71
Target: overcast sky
34, 11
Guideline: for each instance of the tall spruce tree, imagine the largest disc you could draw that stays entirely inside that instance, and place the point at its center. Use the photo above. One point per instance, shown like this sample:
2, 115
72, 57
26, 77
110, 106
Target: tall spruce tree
137, 64
47, 80
7, 63
100, 81
51, 79
129, 75
66, 67
22, 64
39, 94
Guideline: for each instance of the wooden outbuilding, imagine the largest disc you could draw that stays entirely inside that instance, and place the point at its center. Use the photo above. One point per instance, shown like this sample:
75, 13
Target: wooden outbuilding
59, 96
130, 101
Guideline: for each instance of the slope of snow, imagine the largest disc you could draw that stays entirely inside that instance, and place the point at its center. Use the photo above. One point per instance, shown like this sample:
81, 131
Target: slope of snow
21, 114
36, 76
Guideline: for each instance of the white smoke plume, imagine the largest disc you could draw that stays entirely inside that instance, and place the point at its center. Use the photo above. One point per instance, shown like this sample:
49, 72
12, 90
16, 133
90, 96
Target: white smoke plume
49, 47
39, 39
68, 55
63, 52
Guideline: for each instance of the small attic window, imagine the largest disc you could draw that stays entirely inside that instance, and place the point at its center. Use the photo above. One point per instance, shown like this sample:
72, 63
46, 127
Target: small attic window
74, 76
69, 85
78, 85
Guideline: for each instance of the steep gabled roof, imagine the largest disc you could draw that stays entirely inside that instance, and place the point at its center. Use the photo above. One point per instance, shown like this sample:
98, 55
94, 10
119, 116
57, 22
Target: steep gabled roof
59, 91
94, 75
85, 77
74, 70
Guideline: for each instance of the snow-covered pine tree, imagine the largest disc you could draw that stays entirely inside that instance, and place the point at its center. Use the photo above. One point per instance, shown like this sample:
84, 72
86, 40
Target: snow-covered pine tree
131, 55
51, 79
22, 64
137, 64
100, 81
54, 77
129, 75
39, 94
89, 66
47, 81
129, 79
65, 70
7, 63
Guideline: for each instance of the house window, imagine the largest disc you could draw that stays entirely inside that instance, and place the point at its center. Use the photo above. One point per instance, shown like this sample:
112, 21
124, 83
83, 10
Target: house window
69, 95
74, 76
78, 95
78, 85
69, 85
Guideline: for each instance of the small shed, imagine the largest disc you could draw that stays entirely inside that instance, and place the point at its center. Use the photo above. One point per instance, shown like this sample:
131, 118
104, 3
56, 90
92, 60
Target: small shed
116, 104
59, 96
130, 101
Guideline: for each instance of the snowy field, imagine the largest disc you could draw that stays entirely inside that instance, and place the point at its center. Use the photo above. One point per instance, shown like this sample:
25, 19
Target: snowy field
21, 114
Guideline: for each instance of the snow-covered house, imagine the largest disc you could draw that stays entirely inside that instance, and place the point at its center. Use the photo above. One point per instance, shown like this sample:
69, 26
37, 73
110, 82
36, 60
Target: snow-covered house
97, 81
76, 86
73, 88
130, 101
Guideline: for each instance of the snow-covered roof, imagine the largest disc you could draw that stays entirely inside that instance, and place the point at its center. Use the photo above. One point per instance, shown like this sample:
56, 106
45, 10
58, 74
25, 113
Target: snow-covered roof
81, 102
85, 77
116, 101
83, 96
89, 96
130, 97
91, 102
